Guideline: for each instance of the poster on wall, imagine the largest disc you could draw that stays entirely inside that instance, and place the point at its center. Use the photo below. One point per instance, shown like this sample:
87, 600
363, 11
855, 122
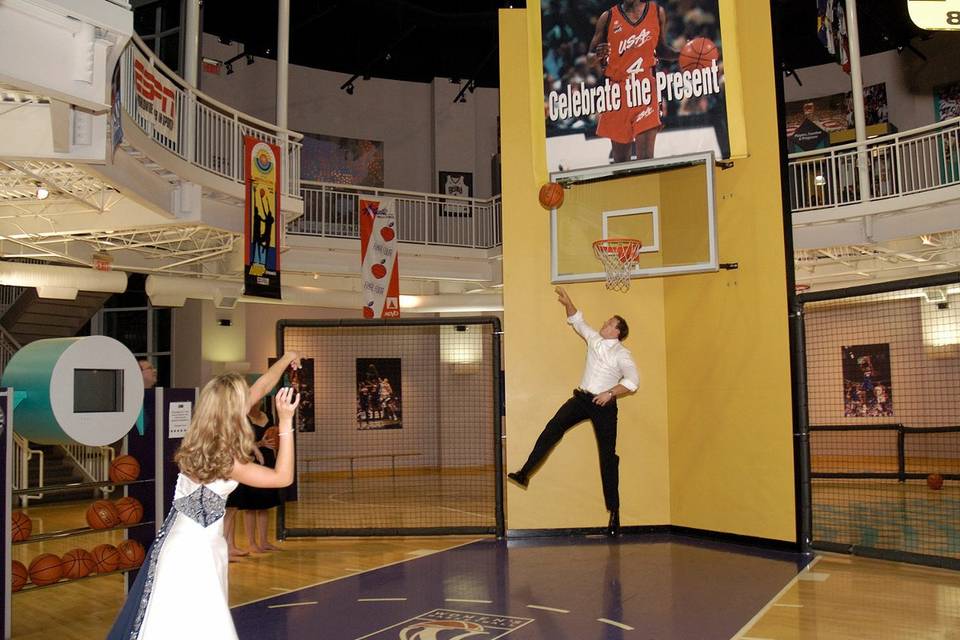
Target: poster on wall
946, 104
341, 160
458, 184
632, 80
156, 98
946, 101
809, 122
867, 388
261, 229
379, 394
379, 273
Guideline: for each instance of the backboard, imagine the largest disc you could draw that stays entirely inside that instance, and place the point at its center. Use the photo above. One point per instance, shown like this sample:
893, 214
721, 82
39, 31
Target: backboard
668, 204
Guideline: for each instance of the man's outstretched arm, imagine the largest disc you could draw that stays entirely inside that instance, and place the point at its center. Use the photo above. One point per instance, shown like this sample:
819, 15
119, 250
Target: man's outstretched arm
565, 300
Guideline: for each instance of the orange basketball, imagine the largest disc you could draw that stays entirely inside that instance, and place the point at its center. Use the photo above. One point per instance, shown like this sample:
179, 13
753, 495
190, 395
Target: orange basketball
131, 554
102, 515
19, 576
124, 469
272, 436
551, 195
698, 53
45, 569
106, 558
78, 563
129, 510
21, 526
935, 481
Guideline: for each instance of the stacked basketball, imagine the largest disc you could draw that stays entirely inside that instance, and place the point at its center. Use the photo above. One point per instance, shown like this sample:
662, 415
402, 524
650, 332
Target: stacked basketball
124, 469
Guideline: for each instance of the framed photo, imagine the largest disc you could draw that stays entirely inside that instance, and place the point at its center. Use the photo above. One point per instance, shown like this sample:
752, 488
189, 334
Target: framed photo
459, 184
867, 386
379, 396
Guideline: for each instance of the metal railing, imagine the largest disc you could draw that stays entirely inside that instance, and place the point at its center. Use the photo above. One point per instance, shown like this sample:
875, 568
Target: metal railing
898, 164
205, 132
93, 462
22, 455
331, 211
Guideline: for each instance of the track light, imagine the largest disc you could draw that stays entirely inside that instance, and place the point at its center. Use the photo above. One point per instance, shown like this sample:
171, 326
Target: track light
229, 67
42, 192
250, 59
349, 89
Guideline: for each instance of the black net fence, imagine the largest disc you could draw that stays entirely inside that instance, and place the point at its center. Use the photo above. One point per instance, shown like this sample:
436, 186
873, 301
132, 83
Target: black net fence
883, 406
401, 431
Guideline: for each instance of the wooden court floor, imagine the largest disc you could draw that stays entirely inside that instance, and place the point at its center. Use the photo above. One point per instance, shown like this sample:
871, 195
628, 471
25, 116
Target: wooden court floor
837, 597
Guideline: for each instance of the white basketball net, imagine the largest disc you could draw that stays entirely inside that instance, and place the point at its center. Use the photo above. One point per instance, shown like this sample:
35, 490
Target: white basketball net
619, 257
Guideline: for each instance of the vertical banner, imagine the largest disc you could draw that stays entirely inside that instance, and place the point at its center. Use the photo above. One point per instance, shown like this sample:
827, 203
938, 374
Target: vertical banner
378, 259
261, 229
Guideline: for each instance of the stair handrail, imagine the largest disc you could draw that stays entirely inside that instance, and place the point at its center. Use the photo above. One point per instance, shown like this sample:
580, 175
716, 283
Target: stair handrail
22, 455
92, 461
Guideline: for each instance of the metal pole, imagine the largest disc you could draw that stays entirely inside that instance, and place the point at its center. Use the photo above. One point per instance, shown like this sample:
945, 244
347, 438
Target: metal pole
191, 42
856, 82
283, 60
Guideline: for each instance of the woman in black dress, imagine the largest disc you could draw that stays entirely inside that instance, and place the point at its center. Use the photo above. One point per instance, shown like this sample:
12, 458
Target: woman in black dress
255, 502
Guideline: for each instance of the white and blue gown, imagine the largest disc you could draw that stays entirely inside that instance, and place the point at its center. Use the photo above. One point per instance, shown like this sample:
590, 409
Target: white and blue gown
181, 590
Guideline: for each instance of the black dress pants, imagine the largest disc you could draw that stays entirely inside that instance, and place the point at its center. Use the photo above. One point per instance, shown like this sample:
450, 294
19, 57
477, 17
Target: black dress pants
578, 408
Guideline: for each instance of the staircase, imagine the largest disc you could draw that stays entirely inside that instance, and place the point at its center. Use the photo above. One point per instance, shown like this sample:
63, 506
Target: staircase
58, 470
31, 318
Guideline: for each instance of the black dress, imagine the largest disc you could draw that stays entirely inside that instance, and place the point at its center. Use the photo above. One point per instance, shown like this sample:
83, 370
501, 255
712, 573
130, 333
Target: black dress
255, 498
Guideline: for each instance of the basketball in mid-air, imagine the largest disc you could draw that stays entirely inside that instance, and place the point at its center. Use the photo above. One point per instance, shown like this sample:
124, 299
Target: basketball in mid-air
935, 481
698, 53
551, 195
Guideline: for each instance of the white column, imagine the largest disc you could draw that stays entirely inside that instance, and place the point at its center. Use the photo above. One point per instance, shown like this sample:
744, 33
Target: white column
191, 42
283, 60
856, 81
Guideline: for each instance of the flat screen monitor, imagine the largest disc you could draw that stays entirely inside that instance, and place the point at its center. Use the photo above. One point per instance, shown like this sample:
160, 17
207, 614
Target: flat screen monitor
97, 390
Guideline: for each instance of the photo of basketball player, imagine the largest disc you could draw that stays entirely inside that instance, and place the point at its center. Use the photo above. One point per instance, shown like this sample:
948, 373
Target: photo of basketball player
378, 394
629, 42
867, 388
632, 80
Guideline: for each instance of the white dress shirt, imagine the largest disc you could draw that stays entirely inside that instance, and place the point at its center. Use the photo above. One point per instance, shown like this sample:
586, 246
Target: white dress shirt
608, 364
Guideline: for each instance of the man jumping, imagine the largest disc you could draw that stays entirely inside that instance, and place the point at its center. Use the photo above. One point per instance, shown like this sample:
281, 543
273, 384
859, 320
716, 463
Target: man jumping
609, 372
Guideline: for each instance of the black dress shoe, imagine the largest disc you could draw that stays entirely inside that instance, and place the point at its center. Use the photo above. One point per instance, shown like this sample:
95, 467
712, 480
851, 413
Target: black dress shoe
613, 527
519, 478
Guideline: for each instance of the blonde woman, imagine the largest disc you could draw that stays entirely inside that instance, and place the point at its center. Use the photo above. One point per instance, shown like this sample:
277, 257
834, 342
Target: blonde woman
182, 586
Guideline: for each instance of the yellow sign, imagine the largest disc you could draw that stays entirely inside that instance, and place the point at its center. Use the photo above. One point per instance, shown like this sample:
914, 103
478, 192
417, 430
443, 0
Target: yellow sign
942, 15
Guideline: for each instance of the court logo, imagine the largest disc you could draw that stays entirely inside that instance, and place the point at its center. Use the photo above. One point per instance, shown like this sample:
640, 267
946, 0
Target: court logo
446, 624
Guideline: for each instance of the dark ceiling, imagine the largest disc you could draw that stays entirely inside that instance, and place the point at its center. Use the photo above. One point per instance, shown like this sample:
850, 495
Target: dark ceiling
421, 39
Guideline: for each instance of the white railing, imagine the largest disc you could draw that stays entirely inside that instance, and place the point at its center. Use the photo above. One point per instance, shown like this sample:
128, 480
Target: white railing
22, 455
208, 133
898, 164
94, 462
331, 211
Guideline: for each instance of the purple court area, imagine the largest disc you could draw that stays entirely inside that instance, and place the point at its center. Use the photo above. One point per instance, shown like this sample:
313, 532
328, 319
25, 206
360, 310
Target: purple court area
646, 586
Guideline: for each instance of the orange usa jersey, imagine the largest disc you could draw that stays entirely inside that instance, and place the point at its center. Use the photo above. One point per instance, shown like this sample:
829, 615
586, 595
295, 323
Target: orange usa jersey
632, 45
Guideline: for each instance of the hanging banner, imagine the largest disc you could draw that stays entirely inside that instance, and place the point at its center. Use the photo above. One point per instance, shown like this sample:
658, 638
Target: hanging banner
261, 229
156, 98
378, 259
631, 81
832, 30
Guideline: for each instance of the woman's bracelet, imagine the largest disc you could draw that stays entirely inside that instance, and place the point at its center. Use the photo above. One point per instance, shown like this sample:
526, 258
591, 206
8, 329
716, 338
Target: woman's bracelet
284, 433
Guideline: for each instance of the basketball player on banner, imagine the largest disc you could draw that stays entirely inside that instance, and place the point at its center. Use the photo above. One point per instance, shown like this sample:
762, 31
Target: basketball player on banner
627, 46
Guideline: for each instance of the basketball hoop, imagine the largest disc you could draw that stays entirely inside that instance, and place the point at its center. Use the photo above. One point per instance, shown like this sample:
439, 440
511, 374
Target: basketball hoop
619, 256
800, 288
102, 261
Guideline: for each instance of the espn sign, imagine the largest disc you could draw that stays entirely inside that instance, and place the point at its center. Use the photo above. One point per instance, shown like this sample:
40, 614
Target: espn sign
156, 98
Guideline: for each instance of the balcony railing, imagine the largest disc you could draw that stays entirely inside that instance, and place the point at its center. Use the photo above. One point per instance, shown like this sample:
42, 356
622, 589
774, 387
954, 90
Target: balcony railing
330, 211
898, 164
205, 132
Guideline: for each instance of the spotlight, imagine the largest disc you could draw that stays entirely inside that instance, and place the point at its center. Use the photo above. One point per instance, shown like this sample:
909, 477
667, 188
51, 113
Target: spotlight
250, 59
229, 67
349, 89
42, 192
225, 40
471, 87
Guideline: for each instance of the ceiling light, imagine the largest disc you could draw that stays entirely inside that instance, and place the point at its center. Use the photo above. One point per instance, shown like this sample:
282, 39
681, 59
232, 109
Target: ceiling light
42, 192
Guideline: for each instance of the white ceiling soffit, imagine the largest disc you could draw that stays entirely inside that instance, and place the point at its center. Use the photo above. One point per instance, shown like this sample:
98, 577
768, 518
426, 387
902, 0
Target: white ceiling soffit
851, 265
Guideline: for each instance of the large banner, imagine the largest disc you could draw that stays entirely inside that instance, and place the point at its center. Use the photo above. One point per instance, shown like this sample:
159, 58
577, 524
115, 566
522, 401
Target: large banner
156, 97
341, 160
262, 222
378, 258
633, 80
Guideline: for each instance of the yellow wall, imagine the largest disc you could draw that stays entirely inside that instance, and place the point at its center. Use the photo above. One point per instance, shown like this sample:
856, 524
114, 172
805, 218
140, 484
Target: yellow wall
543, 356
706, 441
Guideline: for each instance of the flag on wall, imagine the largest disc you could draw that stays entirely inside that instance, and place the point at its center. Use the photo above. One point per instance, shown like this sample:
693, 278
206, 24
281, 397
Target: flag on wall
378, 259
262, 221
832, 30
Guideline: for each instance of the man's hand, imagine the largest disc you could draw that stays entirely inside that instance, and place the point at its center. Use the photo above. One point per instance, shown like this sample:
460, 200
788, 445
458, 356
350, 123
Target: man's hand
565, 300
601, 399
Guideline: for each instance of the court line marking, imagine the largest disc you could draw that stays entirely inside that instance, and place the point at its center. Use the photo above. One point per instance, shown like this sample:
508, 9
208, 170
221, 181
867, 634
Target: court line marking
555, 610
469, 513
614, 623
280, 589
795, 606
468, 600
381, 599
739, 635
292, 604
383, 566
815, 577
